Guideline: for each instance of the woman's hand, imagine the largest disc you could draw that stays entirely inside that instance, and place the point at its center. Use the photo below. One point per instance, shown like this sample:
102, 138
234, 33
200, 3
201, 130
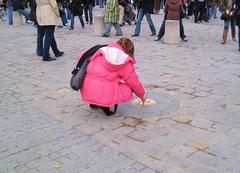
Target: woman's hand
143, 99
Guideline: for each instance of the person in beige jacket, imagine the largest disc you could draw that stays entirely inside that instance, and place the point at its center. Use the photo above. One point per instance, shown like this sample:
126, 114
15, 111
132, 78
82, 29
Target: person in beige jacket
48, 17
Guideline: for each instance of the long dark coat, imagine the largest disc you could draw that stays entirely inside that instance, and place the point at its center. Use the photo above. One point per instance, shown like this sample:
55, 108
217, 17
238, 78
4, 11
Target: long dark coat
76, 7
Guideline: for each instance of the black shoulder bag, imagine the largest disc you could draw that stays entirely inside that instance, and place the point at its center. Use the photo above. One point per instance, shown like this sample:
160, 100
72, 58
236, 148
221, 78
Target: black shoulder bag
79, 72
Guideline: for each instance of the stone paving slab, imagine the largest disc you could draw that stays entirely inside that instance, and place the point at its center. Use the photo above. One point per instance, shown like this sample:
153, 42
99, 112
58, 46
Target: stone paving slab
45, 127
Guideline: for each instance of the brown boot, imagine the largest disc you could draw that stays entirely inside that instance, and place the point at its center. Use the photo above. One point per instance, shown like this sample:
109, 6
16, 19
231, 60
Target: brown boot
233, 36
225, 32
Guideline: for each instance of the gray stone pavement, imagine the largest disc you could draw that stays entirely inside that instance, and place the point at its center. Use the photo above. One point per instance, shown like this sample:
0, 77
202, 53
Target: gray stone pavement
45, 127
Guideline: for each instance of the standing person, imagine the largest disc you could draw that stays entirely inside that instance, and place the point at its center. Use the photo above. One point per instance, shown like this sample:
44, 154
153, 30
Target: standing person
47, 18
111, 17
111, 78
200, 7
88, 11
145, 8
76, 7
228, 7
10, 11
172, 12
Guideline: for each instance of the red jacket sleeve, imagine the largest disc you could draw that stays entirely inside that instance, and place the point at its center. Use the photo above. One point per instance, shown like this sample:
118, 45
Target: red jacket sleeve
129, 75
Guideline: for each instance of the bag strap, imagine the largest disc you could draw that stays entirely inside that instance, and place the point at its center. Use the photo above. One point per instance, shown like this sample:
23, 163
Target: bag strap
88, 54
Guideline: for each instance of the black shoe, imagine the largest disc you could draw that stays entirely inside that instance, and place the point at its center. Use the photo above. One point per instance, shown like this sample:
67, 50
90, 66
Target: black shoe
157, 39
153, 34
105, 35
135, 35
122, 24
90, 22
59, 54
93, 106
49, 59
184, 39
118, 35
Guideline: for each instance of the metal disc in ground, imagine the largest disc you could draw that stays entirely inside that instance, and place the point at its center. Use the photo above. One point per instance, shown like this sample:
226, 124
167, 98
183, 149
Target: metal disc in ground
164, 104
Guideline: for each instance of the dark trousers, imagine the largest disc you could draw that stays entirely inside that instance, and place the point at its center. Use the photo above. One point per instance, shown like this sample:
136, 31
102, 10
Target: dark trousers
200, 11
162, 30
43, 46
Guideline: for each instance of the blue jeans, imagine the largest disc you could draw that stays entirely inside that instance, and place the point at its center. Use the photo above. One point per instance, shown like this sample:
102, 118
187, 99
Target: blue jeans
68, 12
233, 23
88, 8
64, 19
108, 27
141, 14
80, 19
10, 14
49, 41
40, 35
25, 13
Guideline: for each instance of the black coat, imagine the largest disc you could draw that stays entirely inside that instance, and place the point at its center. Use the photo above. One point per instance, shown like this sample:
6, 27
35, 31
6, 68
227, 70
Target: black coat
76, 7
18, 4
146, 5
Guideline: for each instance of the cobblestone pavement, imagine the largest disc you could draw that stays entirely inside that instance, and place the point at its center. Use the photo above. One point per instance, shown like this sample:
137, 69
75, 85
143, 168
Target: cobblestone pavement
45, 127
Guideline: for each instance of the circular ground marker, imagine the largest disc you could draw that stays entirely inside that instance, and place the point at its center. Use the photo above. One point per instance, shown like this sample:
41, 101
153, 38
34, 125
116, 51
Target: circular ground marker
156, 104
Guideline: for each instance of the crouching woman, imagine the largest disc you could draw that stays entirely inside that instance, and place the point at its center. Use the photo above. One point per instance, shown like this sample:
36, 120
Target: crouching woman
111, 78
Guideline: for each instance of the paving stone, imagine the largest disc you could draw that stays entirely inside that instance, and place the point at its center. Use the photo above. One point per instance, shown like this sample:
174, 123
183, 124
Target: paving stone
185, 118
200, 145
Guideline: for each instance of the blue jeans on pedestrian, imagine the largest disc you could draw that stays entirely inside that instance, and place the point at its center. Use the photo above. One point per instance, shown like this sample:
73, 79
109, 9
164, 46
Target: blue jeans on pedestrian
40, 35
49, 40
233, 23
108, 27
64, 19
141, 14
80, 19
25, 13
68, 13
10, 14
88, 9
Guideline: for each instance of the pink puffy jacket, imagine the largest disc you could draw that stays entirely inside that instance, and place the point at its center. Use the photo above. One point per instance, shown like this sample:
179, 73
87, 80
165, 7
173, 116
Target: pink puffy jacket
110, 78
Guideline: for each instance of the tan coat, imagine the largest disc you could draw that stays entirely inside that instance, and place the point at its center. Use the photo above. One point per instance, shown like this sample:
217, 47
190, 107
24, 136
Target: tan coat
47, 12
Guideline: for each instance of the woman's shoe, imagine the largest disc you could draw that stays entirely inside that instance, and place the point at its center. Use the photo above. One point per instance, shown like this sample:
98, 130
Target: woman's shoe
59, 54
49, 59
157, 39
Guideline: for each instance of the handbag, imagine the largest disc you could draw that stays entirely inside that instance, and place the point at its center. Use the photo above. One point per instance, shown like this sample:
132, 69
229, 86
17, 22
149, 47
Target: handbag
78, 75
79, 72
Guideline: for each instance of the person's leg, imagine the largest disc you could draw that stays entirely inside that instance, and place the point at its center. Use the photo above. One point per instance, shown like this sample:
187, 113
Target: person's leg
86, 13
239, 37
49, 35
182, 35
161, 32
150, 23
118, 29
139, 21
72, 21
25, 13
90, 8
107, 29
233, 29
10, 14
81, 21
121, 15
64, 19
40, 35
225, 31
